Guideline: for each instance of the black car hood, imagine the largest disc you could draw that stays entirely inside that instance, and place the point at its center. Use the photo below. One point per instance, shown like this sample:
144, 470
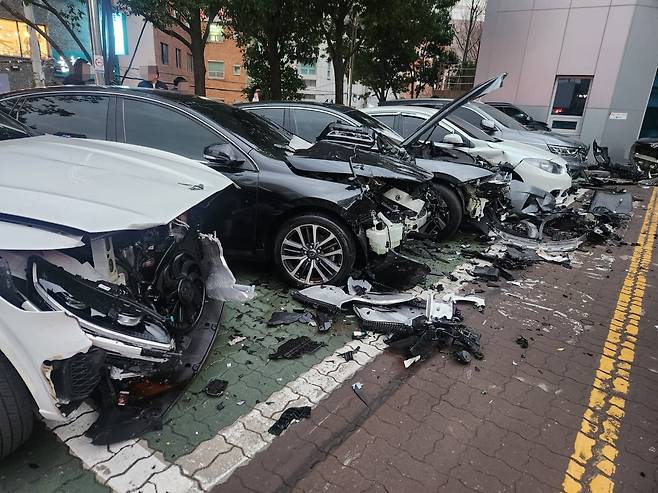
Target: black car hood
334, 159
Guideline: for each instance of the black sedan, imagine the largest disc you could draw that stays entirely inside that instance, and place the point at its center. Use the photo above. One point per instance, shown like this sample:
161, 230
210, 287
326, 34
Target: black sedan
316, 212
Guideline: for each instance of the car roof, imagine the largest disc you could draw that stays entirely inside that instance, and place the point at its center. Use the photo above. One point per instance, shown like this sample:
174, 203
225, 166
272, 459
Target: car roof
341, 108
153, 94
403, 108
500, 103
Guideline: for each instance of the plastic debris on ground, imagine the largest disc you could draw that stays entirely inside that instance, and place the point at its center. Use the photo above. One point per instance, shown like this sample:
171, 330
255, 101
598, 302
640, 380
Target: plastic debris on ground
215, 387
356, 388
289, 416
349, 355
522, 341
286, 318
294, 348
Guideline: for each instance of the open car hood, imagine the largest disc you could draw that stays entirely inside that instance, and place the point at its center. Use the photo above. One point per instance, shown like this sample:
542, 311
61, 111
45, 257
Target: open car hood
334, 159
478, 91
93, 186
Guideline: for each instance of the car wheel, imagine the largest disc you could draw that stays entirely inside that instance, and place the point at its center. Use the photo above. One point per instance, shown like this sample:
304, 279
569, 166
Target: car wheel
447, 213
314, 249
16, 418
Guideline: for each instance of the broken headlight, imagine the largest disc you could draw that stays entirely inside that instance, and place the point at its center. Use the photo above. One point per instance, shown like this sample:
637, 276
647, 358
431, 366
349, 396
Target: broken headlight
566, 151
544, 165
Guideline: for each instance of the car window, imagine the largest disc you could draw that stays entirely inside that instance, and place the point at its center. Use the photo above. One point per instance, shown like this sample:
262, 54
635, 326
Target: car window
499, 116
388, 120
438, 133
272, 114
469, 115
159, 127
82, 116
470, 130
310, 124
410, 124
11, 129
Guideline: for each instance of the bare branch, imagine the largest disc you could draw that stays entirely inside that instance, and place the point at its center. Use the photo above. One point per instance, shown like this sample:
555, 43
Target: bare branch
47, 6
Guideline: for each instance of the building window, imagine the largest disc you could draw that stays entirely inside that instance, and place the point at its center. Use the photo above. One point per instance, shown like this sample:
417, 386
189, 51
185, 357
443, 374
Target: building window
164, 53
15, 39
237, 69
310, 83
178, 57
569, 101
190, 62
307, 69
216, 33
215, 70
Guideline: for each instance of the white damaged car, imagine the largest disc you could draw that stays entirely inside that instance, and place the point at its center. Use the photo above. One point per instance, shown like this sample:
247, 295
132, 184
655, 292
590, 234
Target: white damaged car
108, 289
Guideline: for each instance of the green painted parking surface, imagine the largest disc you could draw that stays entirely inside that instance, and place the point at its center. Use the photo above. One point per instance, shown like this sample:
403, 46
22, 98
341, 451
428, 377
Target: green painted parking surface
45, 465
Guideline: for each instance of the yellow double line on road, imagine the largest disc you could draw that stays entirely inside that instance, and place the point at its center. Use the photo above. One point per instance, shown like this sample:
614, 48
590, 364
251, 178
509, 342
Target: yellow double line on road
592, 464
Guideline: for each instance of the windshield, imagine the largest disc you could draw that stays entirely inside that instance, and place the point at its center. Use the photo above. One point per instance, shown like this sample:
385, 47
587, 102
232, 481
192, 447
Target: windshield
470, 130
11, 129
259, 132
499, 116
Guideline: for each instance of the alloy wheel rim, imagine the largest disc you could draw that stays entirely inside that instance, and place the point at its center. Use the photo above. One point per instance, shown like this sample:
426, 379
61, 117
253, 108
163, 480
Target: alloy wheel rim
312, 254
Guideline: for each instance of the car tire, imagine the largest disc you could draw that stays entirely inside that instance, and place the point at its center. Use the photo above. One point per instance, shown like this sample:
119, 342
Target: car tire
16, 417
447, 213
305, 261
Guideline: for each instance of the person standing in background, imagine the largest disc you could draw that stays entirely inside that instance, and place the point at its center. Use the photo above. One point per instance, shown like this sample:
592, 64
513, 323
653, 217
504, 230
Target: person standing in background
180, 84
152, 79
79, 75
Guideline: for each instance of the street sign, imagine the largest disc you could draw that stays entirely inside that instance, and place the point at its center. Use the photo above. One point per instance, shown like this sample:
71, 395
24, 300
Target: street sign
99, 64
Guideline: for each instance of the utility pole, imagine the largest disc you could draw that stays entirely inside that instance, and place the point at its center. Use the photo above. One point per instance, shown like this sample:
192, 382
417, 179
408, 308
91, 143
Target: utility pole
35, 49
96, 47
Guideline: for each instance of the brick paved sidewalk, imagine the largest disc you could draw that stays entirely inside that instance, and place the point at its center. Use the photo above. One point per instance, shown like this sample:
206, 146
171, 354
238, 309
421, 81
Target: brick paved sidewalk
509, 422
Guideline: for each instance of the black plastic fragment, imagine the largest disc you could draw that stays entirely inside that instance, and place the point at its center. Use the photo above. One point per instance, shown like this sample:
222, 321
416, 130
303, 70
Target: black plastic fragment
215, 387
289, 415
522, 341
462, 357
397, 272
486, 272
294, 348
349, 355
323, 320
286, 318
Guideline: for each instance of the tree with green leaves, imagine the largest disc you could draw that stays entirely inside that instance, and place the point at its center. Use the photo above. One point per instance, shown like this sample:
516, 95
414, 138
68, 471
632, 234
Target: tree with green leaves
402, 44
186, 20
340, 31
274, 35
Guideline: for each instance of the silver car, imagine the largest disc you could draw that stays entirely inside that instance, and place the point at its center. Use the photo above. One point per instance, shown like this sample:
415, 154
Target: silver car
499, 125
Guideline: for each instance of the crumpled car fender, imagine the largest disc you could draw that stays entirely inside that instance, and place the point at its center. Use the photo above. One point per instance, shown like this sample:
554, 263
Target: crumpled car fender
454, 173
28, 338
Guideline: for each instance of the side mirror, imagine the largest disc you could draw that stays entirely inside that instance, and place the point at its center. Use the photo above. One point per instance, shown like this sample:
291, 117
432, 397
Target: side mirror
488, 125
223, 154
454, 139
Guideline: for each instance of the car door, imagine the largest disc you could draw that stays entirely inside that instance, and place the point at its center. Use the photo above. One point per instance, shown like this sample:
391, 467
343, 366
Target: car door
87, 116
309, 123
164, 127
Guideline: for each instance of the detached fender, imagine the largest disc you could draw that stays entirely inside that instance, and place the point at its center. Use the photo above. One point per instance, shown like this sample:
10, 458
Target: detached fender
29, 338
453, 173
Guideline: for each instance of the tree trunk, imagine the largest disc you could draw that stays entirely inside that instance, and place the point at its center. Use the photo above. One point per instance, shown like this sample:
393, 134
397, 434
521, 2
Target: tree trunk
339, 76
275, 69
199, 62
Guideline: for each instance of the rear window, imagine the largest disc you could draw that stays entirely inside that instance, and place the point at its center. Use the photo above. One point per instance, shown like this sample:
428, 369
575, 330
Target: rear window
11, 129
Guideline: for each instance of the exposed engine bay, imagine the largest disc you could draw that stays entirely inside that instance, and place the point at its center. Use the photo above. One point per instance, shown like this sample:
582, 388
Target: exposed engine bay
149, 302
